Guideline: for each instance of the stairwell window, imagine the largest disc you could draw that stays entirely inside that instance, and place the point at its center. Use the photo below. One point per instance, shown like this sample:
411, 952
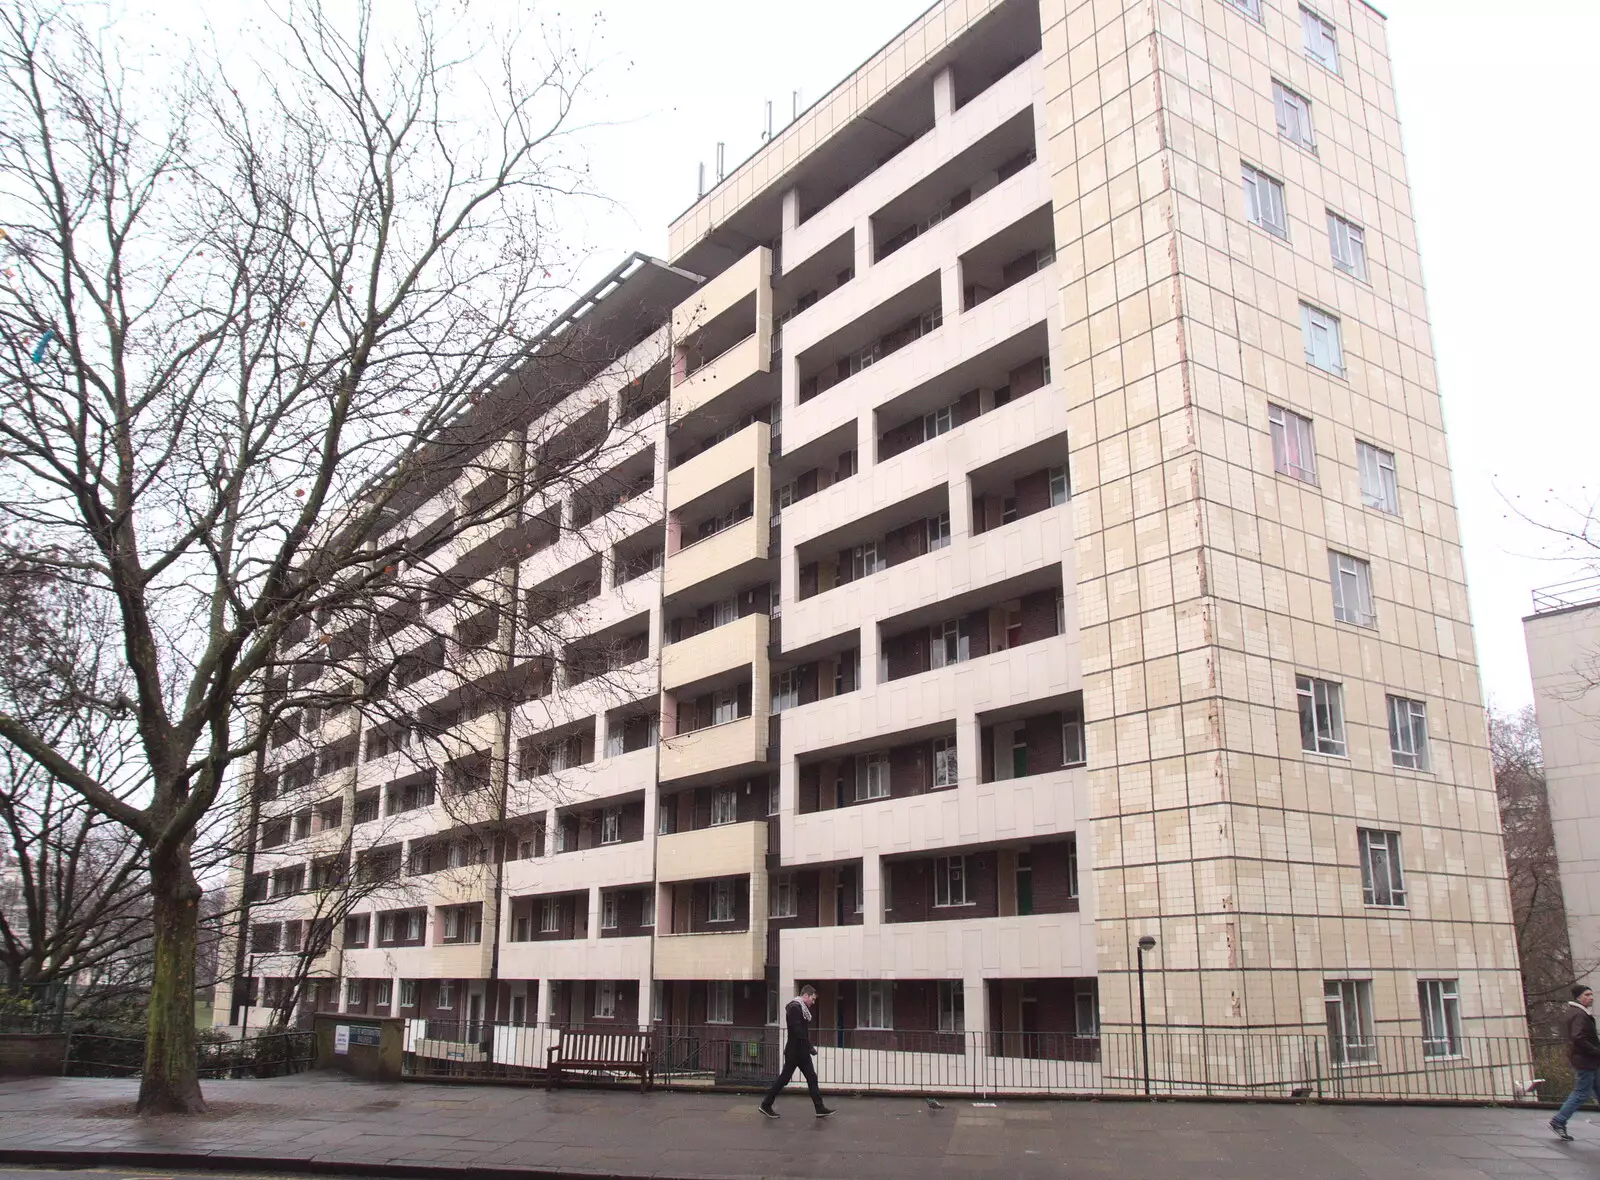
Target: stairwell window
1321, 715
944, 762
1321, 41
1382, 881
1379, 487
1348, 1003
1440, 1001
1320, 334
950, 882
1348, 244
1263, 202
872, 777
1351, 578
1294, 449
1408, 733
1294, 116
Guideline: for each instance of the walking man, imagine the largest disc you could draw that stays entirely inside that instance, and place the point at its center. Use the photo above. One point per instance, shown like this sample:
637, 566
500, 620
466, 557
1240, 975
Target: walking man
797, 1053
1583, 1050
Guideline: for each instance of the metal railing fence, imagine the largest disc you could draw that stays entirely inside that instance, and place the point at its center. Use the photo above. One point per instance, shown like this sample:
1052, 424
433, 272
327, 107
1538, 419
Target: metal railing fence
985, 1064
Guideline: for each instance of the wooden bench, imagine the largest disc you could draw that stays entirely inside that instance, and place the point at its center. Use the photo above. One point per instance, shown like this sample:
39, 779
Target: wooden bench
616, 1052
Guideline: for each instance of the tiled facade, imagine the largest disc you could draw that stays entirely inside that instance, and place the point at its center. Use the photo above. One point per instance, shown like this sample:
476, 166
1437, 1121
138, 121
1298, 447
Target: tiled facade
991, 569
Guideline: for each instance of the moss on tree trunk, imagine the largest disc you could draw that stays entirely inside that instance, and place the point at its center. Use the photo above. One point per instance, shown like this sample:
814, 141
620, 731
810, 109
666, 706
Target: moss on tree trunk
170, 1083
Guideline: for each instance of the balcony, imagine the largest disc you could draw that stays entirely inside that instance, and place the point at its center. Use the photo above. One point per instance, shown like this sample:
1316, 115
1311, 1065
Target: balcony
1035, 946
714, 467
739, 955
751, 275
723, 554
602, 958
714, 749
726, 850
721, 649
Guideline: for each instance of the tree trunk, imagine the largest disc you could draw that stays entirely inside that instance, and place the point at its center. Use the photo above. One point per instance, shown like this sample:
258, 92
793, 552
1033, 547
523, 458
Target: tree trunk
171, 1080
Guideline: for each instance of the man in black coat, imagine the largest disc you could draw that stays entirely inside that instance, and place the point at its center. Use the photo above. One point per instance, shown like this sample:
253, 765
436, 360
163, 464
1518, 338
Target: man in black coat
1583, 1051
797, 1053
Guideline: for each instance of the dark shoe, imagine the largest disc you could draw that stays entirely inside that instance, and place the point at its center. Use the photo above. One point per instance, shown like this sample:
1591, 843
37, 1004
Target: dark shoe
1560, 1130
824, 1111
769, 1112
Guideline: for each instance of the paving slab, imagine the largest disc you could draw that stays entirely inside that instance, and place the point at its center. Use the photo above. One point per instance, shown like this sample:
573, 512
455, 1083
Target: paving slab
324, 1122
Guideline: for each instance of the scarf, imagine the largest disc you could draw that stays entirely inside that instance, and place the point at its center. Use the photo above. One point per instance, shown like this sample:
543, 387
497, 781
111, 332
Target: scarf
805, 1008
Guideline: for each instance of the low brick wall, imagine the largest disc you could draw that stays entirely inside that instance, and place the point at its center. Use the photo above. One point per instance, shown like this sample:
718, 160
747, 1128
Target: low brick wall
32, 1054
371, 1047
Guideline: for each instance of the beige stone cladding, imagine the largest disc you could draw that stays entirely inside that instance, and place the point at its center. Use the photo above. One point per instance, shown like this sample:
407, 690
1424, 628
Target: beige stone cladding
1204, 587
1563, 655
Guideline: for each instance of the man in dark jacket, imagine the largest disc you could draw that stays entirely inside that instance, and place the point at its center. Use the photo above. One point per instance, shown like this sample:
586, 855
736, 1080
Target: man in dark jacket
1583, 1050
797, 1053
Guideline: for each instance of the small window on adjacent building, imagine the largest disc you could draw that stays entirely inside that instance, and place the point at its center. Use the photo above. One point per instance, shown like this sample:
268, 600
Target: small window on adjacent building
1382, 882
1294, 450
938, 531
605, 999
950, 881
722, 902
875, 1004
724, 806
1060, 489
1348, 243
1263, 202
782, 901
1320, 334
1408, 733
1379, 488
1322, 45
1351, 578
719, 1002
1321, 715
1294, 116
1348, 1003
944, 762
1440, 1000
952, 1006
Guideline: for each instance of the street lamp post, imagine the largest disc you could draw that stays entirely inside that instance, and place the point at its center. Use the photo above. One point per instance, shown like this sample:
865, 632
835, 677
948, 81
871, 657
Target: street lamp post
1146, 942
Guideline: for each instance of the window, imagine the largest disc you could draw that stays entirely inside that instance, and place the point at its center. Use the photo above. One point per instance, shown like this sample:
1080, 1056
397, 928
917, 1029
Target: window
1321, 334
522, 928
1321, 45
948, 643
938, 531
385, 994
355, 993
1408, 733
408, 993
950, 881
549, 915
1321, 715
1294, 450
1061, 612
610, 911
447, 995
938, 422
387, 931
1251, 8
453, 925
1352, 589
1294, 116
785, 690
611, 826
658, 1001
605, 999
724, 706
1349, 247
356, 929
872, 777
1072, 741
1379, 488
1381, 880
721, 907
724, 611
724, 806
1263, 202
1348, 1003
1440, 1001
719, 1002
414, 922
952, 1006
1072, 864
875, 1004
858, 888
864, 560
782, 896
944, 762
774, 798
1060, 489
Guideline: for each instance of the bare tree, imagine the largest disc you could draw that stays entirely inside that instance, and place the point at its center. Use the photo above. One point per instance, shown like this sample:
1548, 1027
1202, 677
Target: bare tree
247, 330
1533, 871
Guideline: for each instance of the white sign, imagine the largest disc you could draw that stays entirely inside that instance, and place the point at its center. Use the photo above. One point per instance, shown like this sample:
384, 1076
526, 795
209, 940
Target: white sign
341, 1039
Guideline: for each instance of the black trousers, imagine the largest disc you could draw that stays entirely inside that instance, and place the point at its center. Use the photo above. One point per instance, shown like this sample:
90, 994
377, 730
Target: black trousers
792, 1062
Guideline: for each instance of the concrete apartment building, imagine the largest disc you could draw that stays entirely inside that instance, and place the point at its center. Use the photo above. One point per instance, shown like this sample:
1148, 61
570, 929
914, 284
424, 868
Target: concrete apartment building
1563, 638
1053, 545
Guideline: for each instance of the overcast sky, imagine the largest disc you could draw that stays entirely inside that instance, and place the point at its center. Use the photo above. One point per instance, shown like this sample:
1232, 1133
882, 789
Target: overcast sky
1504, 185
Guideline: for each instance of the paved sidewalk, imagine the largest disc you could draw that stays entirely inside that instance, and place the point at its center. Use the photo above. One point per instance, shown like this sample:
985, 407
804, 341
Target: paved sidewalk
323, 1121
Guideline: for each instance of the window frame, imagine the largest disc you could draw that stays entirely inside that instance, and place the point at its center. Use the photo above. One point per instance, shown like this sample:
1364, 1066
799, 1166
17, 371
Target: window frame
1286, 427
1059, 476
1312, 26
445, 999
1381, 858
1072, 740
722, 900
1312, 320
724, 807
719, 1002
611, 825
783, 896
937, 422
1350, 585
549, 915
1352, 260
938, 531
610, 910
1440, 1003
605, 999
1259, 212
1380, 482
952, 1006
872, 767
1250, 8
950, 880
1413, 727
946, 765
1352, 998
875, 1005
1323, 696
1287, 101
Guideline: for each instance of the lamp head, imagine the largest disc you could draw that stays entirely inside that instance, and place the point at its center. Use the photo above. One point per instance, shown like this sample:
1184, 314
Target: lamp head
1147, 942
